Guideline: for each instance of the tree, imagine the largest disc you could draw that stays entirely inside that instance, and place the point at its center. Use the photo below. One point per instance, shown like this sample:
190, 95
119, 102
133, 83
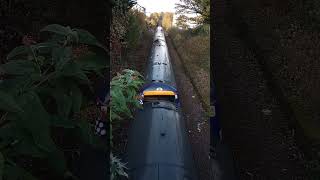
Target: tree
182, 22
199, 7
153, 19
167, 19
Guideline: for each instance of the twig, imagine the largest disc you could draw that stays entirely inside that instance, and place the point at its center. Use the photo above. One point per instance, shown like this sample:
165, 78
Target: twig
3, 120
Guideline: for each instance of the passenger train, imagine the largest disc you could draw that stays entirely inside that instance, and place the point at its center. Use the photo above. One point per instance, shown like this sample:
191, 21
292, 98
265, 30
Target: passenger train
158, 147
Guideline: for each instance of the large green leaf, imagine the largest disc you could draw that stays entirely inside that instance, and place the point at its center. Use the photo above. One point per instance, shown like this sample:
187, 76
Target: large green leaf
85, 131
57, 29
63, 101
13, 172
19, 67
57, 162
60, 56
45, 47
24, 143
19, 83
59, 121
27, 146
119, 102
8, 103
92, 61
86, 37
36, 121
20, 50
72, 69
7, 134
76, 97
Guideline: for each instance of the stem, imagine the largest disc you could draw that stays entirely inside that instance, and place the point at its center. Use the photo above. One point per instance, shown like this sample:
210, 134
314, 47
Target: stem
35, 58
44, 80
3, 120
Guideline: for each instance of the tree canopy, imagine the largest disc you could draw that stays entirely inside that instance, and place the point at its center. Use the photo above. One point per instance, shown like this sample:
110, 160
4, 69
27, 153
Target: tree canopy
167, 19
199, 7
182, 22
153, 19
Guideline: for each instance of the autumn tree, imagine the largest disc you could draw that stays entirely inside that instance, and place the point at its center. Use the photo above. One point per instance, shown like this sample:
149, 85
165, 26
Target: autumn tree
198, 7
182, 22
153, 19
167, 19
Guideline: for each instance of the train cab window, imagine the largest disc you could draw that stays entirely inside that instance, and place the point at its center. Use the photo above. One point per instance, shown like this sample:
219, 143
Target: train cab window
150, 96
153, 80
159, 98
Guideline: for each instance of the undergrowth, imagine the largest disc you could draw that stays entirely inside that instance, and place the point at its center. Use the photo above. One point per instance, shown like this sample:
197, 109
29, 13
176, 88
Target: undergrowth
43, 87
193, 46
124, 100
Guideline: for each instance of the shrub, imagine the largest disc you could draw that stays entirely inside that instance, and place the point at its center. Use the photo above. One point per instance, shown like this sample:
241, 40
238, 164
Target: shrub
43, 87
124, 88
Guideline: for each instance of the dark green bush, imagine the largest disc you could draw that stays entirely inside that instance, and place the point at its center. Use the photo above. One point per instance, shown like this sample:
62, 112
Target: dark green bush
43, 87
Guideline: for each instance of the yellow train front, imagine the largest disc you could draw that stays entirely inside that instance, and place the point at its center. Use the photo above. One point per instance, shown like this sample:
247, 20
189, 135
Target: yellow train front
158, 147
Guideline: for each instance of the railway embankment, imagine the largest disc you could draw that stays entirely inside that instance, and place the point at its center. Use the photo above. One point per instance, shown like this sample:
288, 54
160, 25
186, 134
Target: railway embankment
193, 48
194, 114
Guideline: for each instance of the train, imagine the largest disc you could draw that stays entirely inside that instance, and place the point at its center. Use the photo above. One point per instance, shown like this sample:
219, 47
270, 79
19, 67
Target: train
158, 146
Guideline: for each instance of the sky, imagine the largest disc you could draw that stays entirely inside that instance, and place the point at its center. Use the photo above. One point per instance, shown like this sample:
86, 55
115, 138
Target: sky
158, 5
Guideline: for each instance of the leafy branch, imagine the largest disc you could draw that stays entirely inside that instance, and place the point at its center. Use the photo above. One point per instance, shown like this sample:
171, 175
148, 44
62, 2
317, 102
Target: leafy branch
42, 89
124, 89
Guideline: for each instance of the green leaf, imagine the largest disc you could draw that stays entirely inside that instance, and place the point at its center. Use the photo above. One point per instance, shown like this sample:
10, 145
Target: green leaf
72, 69
24, 142
86, 37
20, 50
20, 67
45, 47
76, 97
61, 56
59, 121
64, 102
13, 172
1, 165
35, 120
7, 134
57, 162
92, 61
115, 116
27, 146
57, 29
118, 103
19, 83
8, 103
85, 131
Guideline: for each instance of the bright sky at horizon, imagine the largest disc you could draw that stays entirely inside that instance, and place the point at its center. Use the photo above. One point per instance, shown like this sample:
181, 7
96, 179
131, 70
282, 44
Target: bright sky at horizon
158, 5
161, 6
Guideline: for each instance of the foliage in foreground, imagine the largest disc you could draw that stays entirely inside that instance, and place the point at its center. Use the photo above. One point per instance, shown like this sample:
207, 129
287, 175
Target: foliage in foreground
124, 88
43, 87
117, 168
